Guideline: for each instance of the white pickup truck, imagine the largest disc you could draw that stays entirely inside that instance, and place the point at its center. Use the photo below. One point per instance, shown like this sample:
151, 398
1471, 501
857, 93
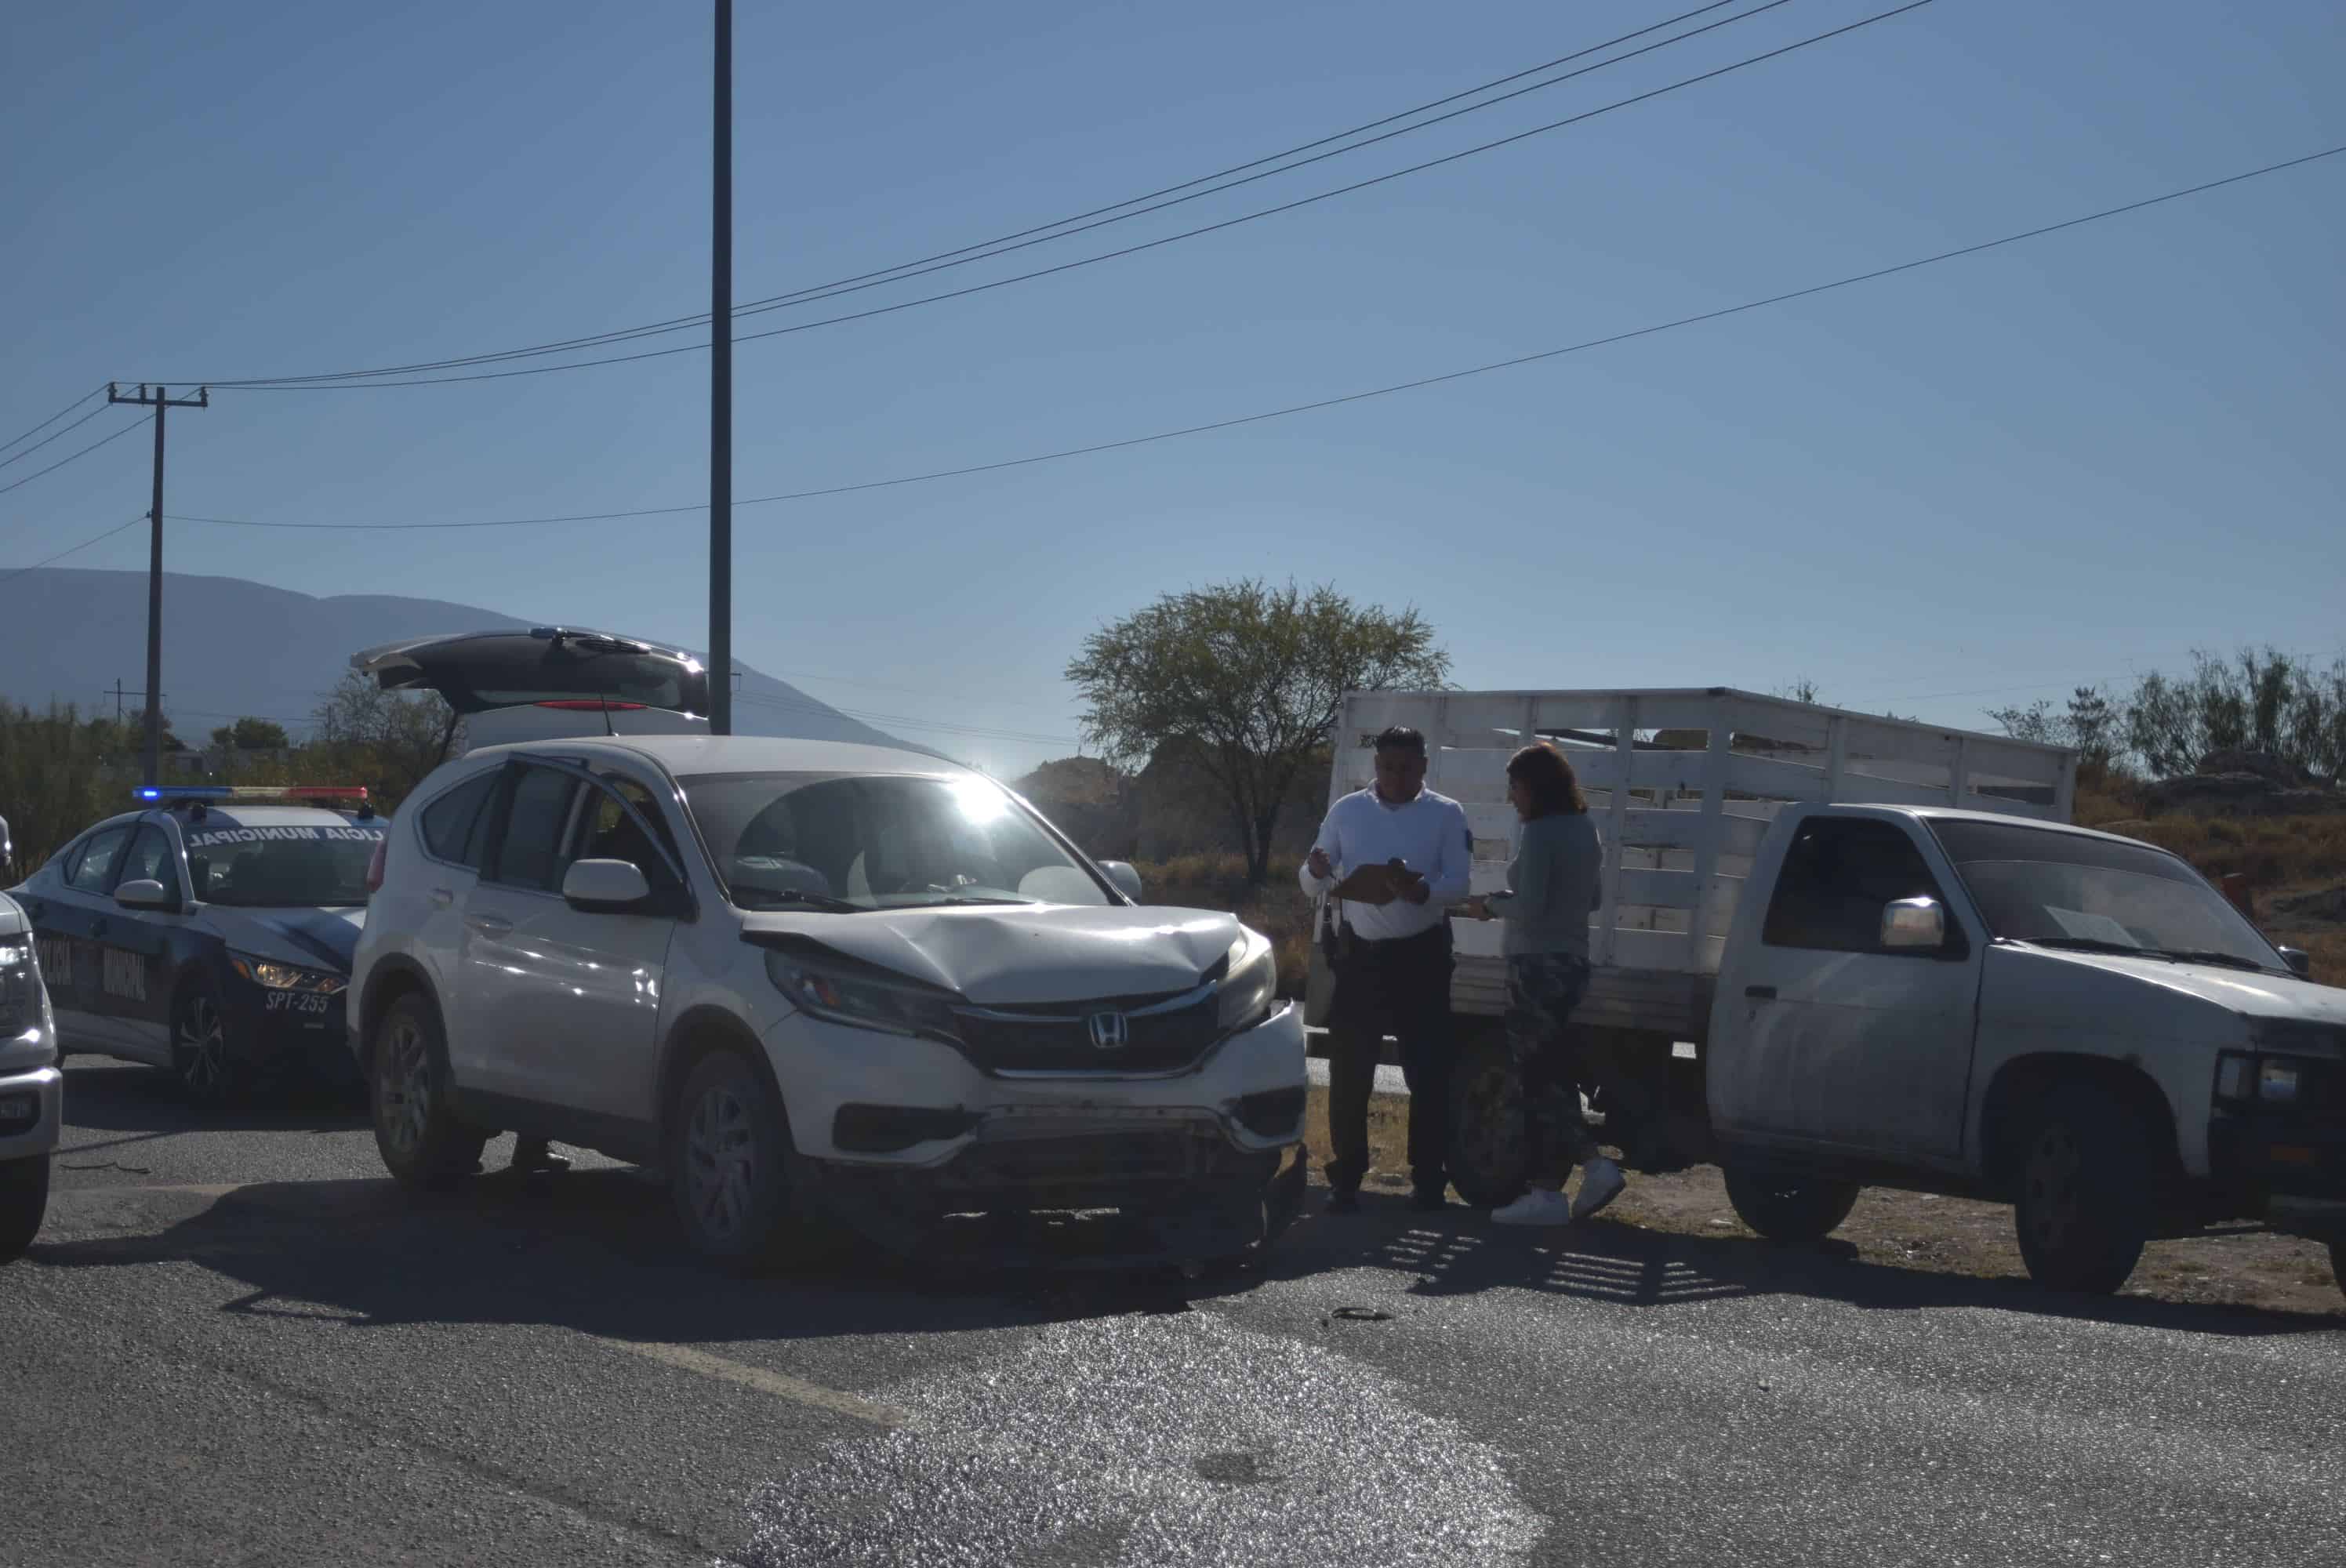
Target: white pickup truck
1837, 950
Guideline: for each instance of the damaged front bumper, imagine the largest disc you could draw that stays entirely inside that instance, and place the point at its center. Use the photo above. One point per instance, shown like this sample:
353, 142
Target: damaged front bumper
1077, 1188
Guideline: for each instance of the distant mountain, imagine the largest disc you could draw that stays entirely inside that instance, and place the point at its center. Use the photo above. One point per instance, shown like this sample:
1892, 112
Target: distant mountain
233, 648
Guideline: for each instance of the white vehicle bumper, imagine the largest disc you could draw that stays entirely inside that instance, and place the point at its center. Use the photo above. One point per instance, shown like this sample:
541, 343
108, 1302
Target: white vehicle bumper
32, 1111
902, 1131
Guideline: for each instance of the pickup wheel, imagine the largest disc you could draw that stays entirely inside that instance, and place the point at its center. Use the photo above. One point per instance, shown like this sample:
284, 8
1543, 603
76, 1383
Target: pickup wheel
2086, 1204
1793, 1212
425, 1144
1487, 1154
731, 1177
23, 1199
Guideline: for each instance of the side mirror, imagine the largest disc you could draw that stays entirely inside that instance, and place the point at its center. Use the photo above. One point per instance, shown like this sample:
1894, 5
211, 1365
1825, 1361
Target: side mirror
145, 893
2300, 962
1127, 880
605, 887
1913, 925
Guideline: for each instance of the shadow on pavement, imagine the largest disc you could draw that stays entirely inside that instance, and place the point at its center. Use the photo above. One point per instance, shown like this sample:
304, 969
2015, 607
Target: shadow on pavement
105, 1096
1461, 1252
594, 1251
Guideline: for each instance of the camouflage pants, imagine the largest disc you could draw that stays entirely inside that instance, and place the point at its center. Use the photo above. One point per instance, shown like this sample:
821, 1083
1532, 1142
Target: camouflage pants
1543, 988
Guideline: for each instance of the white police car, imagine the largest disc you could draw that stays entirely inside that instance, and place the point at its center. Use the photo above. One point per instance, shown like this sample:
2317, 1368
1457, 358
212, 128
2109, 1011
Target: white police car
210, 933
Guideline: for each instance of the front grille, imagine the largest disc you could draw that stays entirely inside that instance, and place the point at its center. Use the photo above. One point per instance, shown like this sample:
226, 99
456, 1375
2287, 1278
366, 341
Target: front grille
1058, 1038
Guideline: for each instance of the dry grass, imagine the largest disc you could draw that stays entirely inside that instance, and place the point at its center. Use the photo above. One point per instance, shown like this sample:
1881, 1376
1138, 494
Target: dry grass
1279, 909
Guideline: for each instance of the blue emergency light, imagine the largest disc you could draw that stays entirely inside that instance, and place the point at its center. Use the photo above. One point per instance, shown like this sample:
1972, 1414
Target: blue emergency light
183, 792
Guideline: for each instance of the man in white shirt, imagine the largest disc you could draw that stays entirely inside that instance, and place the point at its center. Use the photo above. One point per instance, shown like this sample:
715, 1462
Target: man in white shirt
1394, 977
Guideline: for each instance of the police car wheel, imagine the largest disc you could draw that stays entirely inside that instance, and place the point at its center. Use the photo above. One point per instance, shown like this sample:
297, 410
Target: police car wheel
24, 1198
423, 1142
199, 1055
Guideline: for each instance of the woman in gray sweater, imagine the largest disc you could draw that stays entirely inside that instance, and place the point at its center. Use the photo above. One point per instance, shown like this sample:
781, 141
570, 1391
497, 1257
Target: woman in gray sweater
1552, 886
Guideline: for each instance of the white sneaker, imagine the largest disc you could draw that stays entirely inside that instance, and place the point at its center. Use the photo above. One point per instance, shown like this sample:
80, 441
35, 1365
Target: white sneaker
1601, 1182
1538, 1207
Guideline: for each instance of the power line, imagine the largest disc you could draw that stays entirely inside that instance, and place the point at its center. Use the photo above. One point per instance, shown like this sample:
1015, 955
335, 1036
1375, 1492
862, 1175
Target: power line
1125, 251
1388, 391
1000, 243
73, 550
53, 436
53, 419
85, 452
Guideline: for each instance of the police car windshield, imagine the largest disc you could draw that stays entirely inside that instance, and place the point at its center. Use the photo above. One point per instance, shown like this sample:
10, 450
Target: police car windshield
280, 867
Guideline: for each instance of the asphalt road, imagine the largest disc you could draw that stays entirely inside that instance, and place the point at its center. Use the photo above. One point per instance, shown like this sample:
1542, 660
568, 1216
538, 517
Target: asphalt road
236, 1343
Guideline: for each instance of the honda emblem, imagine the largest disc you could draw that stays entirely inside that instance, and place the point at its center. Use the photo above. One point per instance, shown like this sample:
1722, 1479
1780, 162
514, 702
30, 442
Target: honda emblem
1110, 1031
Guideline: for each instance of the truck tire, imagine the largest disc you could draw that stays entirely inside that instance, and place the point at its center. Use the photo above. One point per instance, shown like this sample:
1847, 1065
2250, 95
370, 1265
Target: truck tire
425, 1144
23, 1199
1789, 1211
1487, 1154
2086, 1205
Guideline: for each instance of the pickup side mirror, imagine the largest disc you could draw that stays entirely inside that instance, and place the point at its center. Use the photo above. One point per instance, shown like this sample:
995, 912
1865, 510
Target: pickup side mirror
1913, 925
2300, 962
145, 893
606, 887
1127, 880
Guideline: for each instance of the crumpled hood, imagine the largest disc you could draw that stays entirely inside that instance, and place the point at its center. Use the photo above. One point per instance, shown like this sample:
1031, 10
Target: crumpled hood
2254, 996
999, 954
313, 938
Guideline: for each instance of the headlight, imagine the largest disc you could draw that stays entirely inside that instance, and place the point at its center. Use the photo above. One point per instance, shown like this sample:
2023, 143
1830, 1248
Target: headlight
20, 986
286, 976
1253, 982
2276, 1080
2256, 1079
861, 1003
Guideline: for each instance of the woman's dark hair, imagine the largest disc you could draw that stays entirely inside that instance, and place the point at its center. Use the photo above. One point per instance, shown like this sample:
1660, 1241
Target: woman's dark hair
1556, 790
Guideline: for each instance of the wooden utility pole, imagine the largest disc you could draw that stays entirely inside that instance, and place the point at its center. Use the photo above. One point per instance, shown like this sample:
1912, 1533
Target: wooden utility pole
721, 387
160, 401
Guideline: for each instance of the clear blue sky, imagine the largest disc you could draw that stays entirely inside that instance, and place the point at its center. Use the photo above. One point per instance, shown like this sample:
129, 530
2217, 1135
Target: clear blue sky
2061, 461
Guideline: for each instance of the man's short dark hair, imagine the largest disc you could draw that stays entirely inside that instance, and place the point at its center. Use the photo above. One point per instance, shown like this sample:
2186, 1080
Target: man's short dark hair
1402, 737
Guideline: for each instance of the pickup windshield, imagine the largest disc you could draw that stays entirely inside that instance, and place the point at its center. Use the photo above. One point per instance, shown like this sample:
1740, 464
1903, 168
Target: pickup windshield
302, 868
2064, 889
845, 843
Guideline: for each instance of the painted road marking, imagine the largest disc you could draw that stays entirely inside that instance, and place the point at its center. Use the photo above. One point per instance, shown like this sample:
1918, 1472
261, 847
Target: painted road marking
780, 1385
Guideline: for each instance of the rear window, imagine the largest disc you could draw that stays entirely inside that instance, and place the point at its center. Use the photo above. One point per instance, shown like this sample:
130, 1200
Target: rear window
454, 825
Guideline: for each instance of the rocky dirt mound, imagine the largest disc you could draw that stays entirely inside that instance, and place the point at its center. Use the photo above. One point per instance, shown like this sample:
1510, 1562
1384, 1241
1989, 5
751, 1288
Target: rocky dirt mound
2244, 784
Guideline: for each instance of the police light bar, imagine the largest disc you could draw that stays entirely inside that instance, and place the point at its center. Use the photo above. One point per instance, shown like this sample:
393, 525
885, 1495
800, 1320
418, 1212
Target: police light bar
324, 792
182, 792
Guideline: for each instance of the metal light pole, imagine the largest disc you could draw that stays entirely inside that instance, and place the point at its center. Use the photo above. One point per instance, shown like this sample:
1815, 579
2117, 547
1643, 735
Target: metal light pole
721, 389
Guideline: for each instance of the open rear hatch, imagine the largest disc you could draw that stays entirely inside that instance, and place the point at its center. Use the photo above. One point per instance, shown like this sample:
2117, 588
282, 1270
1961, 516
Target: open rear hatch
548, 683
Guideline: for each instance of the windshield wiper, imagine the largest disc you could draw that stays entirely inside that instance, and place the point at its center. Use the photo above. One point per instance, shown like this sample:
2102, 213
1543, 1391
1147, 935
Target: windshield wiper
2209, 955
962, 898
801, 896
2093, 944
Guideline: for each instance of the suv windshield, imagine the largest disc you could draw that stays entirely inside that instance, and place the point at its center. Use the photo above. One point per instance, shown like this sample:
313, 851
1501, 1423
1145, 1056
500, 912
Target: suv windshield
281, 868
2063, 890
844, 841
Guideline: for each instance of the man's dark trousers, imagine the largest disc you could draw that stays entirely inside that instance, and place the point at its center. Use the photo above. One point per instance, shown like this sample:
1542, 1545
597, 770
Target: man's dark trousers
1400, 988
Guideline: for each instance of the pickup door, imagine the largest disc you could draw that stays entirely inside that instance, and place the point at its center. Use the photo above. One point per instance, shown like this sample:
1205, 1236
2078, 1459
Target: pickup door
1833, 1038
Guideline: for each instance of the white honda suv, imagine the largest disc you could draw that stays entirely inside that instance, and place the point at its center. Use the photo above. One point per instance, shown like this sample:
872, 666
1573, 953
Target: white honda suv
804, 979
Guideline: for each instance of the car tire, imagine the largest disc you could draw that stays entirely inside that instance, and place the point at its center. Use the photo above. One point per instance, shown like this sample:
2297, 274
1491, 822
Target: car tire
1488, 1152
424, 1144
730, 1180
2084, 1207
1794, 1212
207, 1073
23, 1199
